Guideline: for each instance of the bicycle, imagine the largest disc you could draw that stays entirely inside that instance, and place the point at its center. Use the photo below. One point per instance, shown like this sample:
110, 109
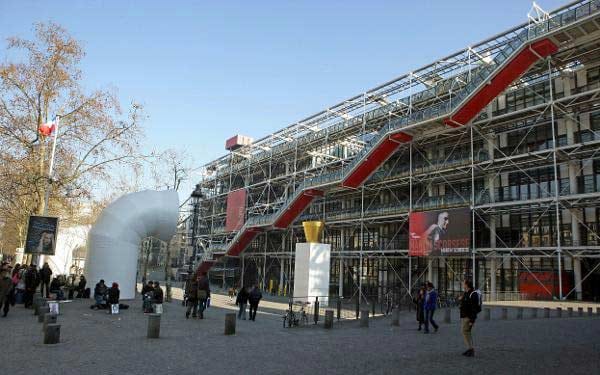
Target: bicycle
295, 320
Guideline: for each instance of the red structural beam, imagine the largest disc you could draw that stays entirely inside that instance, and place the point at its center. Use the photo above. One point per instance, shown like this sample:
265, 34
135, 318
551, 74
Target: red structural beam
500, 82
243, 241
374, 159
297, 206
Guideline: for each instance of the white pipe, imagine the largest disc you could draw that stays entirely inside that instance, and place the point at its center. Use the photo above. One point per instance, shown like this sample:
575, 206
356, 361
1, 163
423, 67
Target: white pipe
114, 240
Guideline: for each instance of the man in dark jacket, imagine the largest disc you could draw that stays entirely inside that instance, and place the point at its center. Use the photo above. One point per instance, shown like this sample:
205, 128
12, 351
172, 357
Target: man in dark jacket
242, 300
191, 292
6, 286
158, 293
203, 293
469, 308
45, 276
254, 298
429, 306
31, 283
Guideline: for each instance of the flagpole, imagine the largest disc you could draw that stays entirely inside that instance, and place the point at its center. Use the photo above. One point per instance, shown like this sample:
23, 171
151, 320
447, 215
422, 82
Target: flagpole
49, 182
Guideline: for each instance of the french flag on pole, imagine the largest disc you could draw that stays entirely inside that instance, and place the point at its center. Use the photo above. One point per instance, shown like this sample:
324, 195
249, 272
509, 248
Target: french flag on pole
47, 128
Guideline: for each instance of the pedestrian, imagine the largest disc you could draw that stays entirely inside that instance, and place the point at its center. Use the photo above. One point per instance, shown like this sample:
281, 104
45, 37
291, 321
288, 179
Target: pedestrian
6, 287
100, 291
470, 306
55, 288
242, 301
418, 300
45, 276
254, 298
113, 294
31, 283
429, 306
81, 287
203, 293
191, 291
159, 295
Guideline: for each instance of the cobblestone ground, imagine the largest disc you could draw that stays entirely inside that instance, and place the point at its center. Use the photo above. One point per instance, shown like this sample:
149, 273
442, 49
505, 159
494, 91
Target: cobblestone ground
94, 342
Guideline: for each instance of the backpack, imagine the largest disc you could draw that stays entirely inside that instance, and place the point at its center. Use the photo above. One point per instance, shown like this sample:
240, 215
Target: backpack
479, 300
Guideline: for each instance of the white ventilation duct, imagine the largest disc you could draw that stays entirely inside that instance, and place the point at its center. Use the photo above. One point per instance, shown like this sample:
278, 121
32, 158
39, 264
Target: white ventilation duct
114, 240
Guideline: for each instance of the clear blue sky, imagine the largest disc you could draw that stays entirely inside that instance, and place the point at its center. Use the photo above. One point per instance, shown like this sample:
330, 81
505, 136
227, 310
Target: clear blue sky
206, 70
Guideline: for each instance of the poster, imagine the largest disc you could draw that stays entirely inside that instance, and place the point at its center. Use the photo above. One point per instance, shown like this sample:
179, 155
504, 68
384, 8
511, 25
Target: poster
41, 235
236, 210
542, 285
440, 233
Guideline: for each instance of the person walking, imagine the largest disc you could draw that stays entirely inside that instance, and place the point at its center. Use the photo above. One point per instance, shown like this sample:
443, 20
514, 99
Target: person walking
242, 301
81, 287
254, 298
470, 306
203, 293
191, 291
429, 306
45, 276
31, 283
419, 300
6, 288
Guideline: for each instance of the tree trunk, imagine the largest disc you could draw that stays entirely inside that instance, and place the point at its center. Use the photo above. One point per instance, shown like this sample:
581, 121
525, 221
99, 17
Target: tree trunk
168, 273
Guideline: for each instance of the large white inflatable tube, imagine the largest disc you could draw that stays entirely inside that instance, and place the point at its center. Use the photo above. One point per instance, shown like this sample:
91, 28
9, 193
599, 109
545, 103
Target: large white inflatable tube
114, 240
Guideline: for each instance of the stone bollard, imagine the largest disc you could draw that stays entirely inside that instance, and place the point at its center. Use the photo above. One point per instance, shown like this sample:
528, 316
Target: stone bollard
504, 313
580, 311
534, 313
487, 314
597, 310
153, 326
570, 311
49, 319
546, 312
339, 309
42, 311
520, 313
590, 311
230, 324
37, 303
52, 334
364, 317
559, 312
328, 319
447, 316
396, 317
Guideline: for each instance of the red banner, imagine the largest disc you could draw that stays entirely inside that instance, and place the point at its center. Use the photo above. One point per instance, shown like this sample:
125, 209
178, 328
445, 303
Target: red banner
435, 233
542, 285
236, 210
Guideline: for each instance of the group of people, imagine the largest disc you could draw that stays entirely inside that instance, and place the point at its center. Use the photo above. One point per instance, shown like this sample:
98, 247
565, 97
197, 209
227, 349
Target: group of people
197, 296
245, 296
104, 296
470, 305
152, 295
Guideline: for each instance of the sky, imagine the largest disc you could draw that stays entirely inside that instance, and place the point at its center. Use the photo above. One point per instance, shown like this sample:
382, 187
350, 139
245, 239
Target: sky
207, 70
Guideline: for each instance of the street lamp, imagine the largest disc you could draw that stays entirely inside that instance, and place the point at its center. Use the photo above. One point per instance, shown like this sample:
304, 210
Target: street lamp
196, 196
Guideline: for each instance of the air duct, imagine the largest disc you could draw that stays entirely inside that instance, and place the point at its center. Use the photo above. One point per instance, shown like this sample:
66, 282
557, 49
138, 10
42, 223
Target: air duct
114, 240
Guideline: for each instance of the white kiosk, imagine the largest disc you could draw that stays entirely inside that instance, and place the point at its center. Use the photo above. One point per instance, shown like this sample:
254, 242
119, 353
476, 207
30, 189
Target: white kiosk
311, 270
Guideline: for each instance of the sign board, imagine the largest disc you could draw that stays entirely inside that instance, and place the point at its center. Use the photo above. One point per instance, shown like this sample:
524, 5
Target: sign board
236, 210
440, 233
54, 309
41, 235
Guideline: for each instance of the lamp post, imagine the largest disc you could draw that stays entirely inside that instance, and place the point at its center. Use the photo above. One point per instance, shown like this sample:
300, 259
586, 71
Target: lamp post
197, 196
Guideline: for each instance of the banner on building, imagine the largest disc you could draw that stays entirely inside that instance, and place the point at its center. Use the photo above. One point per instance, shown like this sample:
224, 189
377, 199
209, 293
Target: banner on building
542, 285
236, 210
41, 235
440, 233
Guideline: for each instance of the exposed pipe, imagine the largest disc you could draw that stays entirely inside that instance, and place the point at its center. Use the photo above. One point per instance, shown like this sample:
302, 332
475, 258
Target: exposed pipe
114, 240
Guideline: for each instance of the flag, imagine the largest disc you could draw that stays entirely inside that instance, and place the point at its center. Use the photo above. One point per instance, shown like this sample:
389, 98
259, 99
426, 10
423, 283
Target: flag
47, 128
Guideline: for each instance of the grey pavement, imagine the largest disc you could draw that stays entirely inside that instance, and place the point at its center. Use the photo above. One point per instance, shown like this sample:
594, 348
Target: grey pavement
94, 342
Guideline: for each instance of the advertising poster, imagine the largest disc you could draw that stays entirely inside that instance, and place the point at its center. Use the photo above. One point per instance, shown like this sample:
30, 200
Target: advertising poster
41, 235
236, 210
542, 285
440, 233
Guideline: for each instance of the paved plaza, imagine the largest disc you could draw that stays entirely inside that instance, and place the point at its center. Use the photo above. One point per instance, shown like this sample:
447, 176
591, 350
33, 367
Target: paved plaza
93, 342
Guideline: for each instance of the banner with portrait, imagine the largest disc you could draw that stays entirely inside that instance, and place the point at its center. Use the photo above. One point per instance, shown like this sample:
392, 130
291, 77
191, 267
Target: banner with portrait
440, 233
41, 235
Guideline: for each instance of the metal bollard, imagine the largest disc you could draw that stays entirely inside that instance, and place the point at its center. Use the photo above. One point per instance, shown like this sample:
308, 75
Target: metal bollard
49, 319
396, 316
590, 311
504, 313
546, 312
570, 311
559, 312
364, 317
520, 313
52, 334
580, 311
328, 319
534, 313
41, 312
447, 316
230, 324
316, 314
487, 314
339, 309
153, 326
597, 310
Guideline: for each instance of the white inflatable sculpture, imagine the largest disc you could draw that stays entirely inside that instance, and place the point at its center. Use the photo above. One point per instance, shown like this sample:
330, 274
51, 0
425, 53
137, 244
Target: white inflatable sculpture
114, 240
